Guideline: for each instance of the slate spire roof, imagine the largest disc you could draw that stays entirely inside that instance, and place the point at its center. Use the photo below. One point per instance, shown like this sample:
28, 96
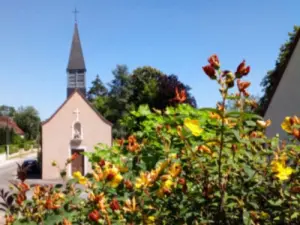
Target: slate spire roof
76, 60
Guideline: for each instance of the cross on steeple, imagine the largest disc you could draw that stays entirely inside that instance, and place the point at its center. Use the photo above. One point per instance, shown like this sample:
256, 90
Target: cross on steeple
77, 114
75, 14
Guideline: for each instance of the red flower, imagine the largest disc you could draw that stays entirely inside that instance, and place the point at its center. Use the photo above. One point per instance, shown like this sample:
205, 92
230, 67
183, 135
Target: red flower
74, 156
242, 86
21, 197
23, 187
114, 205
180, 95
210, 71
242, 69
128, 184
102, 162
94, 215
214, 61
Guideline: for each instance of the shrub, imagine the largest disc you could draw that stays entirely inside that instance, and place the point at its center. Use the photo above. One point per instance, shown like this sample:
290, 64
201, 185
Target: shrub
27, 145
2, 149
181, 166
13, 149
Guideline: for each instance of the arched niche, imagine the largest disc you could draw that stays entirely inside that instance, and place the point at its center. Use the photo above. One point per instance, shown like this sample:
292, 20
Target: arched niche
77, 132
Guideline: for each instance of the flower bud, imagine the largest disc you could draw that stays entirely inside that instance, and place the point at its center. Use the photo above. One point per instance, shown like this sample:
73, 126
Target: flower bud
210, 71
242, 69
214, 61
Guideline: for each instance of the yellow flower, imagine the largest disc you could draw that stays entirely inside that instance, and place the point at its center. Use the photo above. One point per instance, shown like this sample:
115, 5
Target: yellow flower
286, 125
282, 172
146, 179
82, 180
116, 181
77, 174
162, 165
113, 177
150, 220
193, 126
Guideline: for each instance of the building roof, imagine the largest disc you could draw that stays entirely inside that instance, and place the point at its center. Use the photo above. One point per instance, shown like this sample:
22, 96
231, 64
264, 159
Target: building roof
81, 95
76, 60
278, 73
5, 120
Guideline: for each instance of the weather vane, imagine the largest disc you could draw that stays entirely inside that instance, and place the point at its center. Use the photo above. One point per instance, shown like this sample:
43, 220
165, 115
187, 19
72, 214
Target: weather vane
75, 14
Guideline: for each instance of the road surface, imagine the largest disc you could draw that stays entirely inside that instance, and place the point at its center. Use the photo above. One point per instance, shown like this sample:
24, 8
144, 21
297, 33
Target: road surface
8, 172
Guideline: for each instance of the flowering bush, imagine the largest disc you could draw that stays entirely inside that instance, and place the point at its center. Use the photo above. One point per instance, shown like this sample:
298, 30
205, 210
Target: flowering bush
180, 166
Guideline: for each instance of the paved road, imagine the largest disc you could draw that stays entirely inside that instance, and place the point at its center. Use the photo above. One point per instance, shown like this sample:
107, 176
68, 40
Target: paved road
8, 172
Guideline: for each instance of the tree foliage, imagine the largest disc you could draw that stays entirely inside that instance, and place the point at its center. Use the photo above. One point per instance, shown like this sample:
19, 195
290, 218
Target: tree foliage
97, 89
6, 110
127, 91
28, 120
272, 78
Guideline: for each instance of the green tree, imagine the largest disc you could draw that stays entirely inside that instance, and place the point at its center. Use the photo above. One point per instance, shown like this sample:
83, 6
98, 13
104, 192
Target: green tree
127, 91
6, 110
28, 120
97, 89
272, 78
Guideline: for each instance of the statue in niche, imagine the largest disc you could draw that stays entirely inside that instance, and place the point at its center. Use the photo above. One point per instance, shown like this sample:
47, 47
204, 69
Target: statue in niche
77, 131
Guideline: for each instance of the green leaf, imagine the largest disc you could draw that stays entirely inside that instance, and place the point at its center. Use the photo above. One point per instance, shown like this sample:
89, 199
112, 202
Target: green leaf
250, 123
144, 110
250, 172
277, 203
295, 215
246, 217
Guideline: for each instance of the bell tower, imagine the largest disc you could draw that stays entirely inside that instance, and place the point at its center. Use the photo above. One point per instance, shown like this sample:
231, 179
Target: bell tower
76, 67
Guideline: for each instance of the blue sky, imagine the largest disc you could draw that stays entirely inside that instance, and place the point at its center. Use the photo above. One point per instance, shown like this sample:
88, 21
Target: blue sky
174, 36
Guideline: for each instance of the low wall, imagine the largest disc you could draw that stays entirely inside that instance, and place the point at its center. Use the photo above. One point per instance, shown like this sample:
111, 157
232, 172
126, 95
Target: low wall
21, 152
2, 157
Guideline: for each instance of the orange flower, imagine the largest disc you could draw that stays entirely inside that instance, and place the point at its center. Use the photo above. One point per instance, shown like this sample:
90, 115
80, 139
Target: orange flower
9, 219
180, 95
23, 187
242, 69
133, 146
66, 222
210, 71
242, 85
21, 197
214, 61
94, 215
37, 191
205, 149
74, 156
296, 133
130, 205
50, 204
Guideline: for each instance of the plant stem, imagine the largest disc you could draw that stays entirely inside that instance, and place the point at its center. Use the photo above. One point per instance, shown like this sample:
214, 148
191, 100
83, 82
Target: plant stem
222, 191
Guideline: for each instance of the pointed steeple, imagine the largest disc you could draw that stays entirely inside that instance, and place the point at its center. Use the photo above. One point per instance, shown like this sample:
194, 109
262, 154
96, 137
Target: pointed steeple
76, 60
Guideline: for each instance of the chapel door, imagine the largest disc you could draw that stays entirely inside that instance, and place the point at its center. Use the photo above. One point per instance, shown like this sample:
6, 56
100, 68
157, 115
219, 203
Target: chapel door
78, 163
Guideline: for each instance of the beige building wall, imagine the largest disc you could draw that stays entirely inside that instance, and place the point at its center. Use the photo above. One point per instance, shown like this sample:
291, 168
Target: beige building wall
286, 99
57, 135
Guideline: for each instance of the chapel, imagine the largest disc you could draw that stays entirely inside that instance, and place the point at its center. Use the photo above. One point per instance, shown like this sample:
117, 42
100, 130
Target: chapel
75, 127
